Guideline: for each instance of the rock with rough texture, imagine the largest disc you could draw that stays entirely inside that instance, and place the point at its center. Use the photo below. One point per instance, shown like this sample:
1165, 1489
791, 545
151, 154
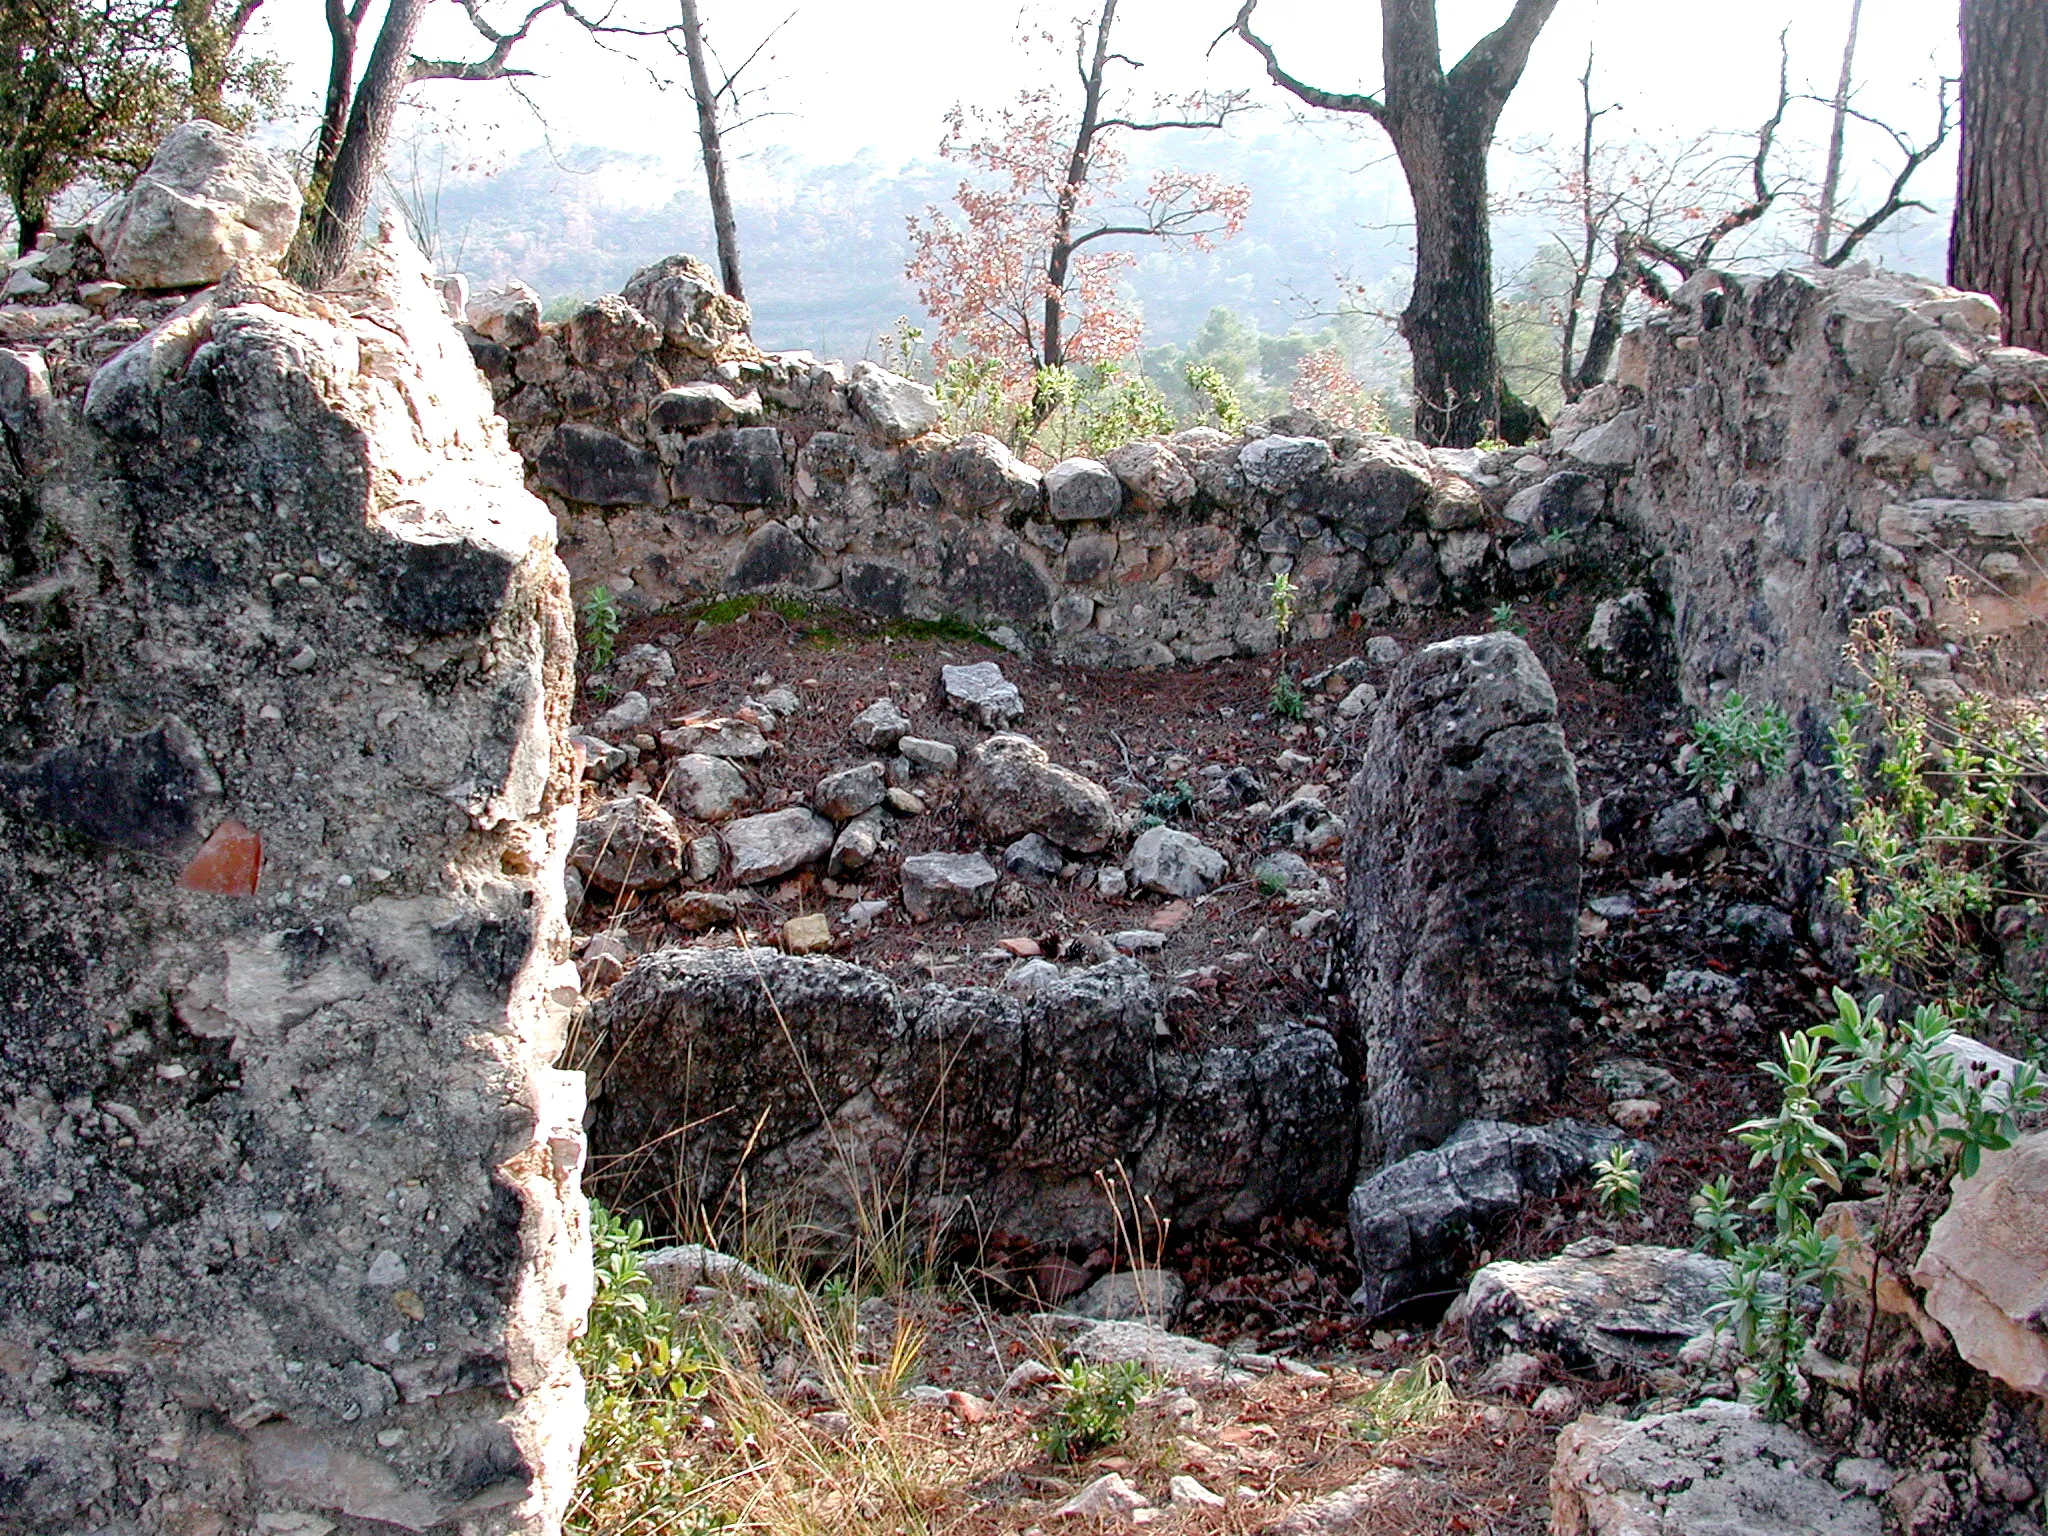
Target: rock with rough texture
1033, 857
1133, 1295
810, 934
1082, 491
207, 200
1716, 1469
734, 466
1596, 1307
1005, 1100
845, 794
948, 885
682, 296
608, 333
508, 314
766, 847
294, 1231
1171, 1357
704, 788
599, 468
929, 756
716, 736
1985, 1266
979, 474
628, 844
1109, 1499
1374, 1497
981, 692
897, 408
1462, 894
1624, 643
1411, 1221
1614, 444
860, 842
1154, 476
880, 726
1175, 863
1276, 464
1011, 788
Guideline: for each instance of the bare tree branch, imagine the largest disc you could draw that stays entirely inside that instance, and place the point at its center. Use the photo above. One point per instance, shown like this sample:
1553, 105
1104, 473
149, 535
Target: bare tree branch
494, 65
1315, 96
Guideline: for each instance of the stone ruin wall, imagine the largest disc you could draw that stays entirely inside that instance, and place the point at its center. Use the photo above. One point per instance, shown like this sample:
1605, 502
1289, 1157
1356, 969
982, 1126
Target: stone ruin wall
1821, 447
685, 464
291, 1238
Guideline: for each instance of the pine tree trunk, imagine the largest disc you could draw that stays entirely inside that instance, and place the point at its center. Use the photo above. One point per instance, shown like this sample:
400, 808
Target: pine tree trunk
361, 155
722, 222
1448, 323
1999, 242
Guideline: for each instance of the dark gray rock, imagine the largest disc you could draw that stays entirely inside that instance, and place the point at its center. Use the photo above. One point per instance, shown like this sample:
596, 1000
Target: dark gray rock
877, 587
978, 474
776, 557
1411, 1221
155, 792
1566, 501
1082, 490
1462, 873
739, 467
845, 794
1031, 857
705, 404
984, 576
628, 844
768, 846
599, 469
1681, 829
1175, 863
947, 885
880, 726
1375, 490
704, 788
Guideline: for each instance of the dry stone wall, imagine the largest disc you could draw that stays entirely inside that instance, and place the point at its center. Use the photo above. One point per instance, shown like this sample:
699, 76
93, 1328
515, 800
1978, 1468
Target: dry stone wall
291, 1237
684, 464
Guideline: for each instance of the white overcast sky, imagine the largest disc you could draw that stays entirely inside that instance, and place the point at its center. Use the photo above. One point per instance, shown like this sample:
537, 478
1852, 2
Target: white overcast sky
875, 76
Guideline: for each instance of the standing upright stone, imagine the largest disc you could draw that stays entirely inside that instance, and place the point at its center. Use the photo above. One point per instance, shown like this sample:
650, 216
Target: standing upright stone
1462, 894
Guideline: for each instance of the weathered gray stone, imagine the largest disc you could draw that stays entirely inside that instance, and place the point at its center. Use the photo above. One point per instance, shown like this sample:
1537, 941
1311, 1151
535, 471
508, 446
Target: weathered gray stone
1716, 1469
931, 756
1411, 1220
768, 846
880, 726
1170, 1357
1277, 464
1154, 476
979, 474
860, 842
897, 408
508, 315
981, 692
704, 788
1596, 1307
1614, 444
608, 333
1133, 1296
1011, 788
1462, 869
1082, 490
845, 794
1624, 643
681, 295
702, 404
947, 885
628, 844
736, 466
1033, 858
207, 200
1175, 863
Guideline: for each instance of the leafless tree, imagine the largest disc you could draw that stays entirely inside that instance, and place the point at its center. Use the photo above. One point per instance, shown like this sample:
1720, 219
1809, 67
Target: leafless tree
1999, 241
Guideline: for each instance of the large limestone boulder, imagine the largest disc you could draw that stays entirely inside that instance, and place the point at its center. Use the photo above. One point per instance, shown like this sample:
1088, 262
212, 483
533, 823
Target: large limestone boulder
1462, 872
1985, 1267
208, 200
1011, 787
1716, 1469
681, 296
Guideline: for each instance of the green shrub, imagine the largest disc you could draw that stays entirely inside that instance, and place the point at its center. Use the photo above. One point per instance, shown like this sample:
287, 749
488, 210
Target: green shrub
600, 628
1618, 1182
1205, 381
1403, 1401
1738, 739
1095, 1403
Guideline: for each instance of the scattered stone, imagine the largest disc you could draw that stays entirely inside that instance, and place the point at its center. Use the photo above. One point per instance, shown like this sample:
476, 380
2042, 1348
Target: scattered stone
983, 694
207, 200
1283, 872
1635, 1115
1557, 1402
1348, 1509
680, 1273
625, 717
1701, 986
1512, 1375
880, 726
1625, 1077
1716, 1469
1411, 1221
1032, 858
1175, 863
705, 788
947, 885
1171, 1357
1109, 1498
1384, 651
1138, 941
1681, 829
1082, 490
703, 859
862, 916
931, 756
605, 958
1183, 1492
1112, 883
1596, 1307
1031, 975
1624, 643
903, 802
1012, 788
769, 846
1027, 1375
1358, 702
699, 910
807, 935
1614, 908
1765, 927
1150, 1296
1462, 892
628, 844
715, 737
845, 794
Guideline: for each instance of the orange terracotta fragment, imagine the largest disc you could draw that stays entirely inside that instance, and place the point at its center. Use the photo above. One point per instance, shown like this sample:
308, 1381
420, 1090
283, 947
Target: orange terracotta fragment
229, 864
